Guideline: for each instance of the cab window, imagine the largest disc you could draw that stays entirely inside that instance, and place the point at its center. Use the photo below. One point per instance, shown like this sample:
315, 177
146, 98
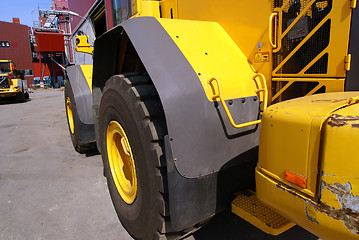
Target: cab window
123, 9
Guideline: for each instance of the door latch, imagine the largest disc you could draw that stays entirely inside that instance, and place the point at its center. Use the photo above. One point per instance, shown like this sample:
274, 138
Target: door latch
347, 62
353, 4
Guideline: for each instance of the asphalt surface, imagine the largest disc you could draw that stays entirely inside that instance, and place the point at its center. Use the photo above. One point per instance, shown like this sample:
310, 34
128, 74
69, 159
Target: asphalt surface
48, 191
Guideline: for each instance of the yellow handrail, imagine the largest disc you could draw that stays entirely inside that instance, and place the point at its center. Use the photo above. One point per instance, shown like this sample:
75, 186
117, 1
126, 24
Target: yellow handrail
262, 87
271, 26
353, 4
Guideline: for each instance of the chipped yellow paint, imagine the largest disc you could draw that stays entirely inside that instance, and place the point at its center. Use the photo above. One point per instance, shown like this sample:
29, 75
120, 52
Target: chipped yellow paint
341, 133
340, 159
330, 198
326, 130
302, 118
314, 216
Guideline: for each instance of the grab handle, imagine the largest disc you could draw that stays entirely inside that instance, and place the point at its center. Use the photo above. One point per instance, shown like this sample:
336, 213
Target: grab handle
271, 27
262, 87
219, 95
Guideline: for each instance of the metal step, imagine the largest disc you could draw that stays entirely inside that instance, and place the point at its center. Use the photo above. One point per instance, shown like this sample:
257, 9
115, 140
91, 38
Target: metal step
247, 206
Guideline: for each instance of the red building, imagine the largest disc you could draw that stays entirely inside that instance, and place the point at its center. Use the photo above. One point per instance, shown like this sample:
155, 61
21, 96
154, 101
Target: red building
15, 46
80, 7
48, 52
52, 46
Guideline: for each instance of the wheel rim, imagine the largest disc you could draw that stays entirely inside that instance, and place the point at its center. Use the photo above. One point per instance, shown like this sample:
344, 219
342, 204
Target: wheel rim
70, 116
121, 162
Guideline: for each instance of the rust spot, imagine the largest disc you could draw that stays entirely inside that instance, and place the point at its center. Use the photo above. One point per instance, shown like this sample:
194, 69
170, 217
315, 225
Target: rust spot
307, 212
355, 125
291, 192
337, 120
348, 213
333, 123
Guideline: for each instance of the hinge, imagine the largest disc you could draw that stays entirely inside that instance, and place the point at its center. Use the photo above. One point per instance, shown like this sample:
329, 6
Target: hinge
347, 62
353, 4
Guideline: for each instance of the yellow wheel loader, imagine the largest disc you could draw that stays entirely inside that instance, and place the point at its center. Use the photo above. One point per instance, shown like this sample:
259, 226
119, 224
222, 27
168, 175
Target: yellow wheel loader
11, 85
192, 102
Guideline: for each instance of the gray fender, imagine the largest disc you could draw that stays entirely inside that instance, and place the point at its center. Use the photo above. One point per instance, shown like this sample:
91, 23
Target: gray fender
82, 93
201, 146
201, 137
84, 101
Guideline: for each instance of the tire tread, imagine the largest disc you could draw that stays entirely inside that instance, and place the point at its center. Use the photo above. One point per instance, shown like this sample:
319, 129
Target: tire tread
143, 94
156, 126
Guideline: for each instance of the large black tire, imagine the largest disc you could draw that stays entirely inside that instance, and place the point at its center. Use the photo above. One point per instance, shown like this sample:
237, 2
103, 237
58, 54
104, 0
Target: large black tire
20, 97
27, 96
70, 105
132, 101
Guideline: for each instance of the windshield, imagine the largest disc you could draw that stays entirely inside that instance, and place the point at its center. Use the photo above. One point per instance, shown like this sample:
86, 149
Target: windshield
4, 67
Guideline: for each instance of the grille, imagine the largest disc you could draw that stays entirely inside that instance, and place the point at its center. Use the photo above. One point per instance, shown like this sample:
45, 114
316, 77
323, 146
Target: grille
4, 83
297, 36
297, 89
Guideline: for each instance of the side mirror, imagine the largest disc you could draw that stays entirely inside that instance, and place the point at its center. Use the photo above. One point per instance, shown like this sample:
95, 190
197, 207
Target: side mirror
82, 44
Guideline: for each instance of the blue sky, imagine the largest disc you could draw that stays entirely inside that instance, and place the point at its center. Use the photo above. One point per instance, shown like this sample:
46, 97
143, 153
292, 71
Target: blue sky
22, 9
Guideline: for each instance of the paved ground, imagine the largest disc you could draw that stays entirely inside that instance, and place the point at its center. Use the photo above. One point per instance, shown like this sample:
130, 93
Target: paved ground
48, 191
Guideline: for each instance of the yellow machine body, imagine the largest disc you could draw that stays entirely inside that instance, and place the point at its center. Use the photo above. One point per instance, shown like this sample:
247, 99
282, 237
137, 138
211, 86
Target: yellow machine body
250, 48
9, 85
255, 29
297, 139
307, 168
217, 43
213, 54
220, 43
9, 92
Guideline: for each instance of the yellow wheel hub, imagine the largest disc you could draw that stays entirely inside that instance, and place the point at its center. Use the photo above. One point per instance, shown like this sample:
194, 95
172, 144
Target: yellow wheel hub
70, 116
121, 162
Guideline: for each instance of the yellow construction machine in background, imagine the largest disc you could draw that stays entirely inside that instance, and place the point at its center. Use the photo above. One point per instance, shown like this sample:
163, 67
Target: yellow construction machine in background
12, 85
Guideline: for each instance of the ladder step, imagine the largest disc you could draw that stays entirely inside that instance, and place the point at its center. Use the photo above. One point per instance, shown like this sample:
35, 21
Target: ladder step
247, 206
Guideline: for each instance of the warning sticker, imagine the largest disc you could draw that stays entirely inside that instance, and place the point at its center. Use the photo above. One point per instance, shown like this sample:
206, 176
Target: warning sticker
261, 57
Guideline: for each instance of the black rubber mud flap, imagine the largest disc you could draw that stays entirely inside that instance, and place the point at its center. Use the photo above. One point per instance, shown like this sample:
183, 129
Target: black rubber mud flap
82, 136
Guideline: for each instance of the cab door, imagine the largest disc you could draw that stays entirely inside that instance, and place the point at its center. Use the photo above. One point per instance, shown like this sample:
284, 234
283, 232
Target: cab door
309, 40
